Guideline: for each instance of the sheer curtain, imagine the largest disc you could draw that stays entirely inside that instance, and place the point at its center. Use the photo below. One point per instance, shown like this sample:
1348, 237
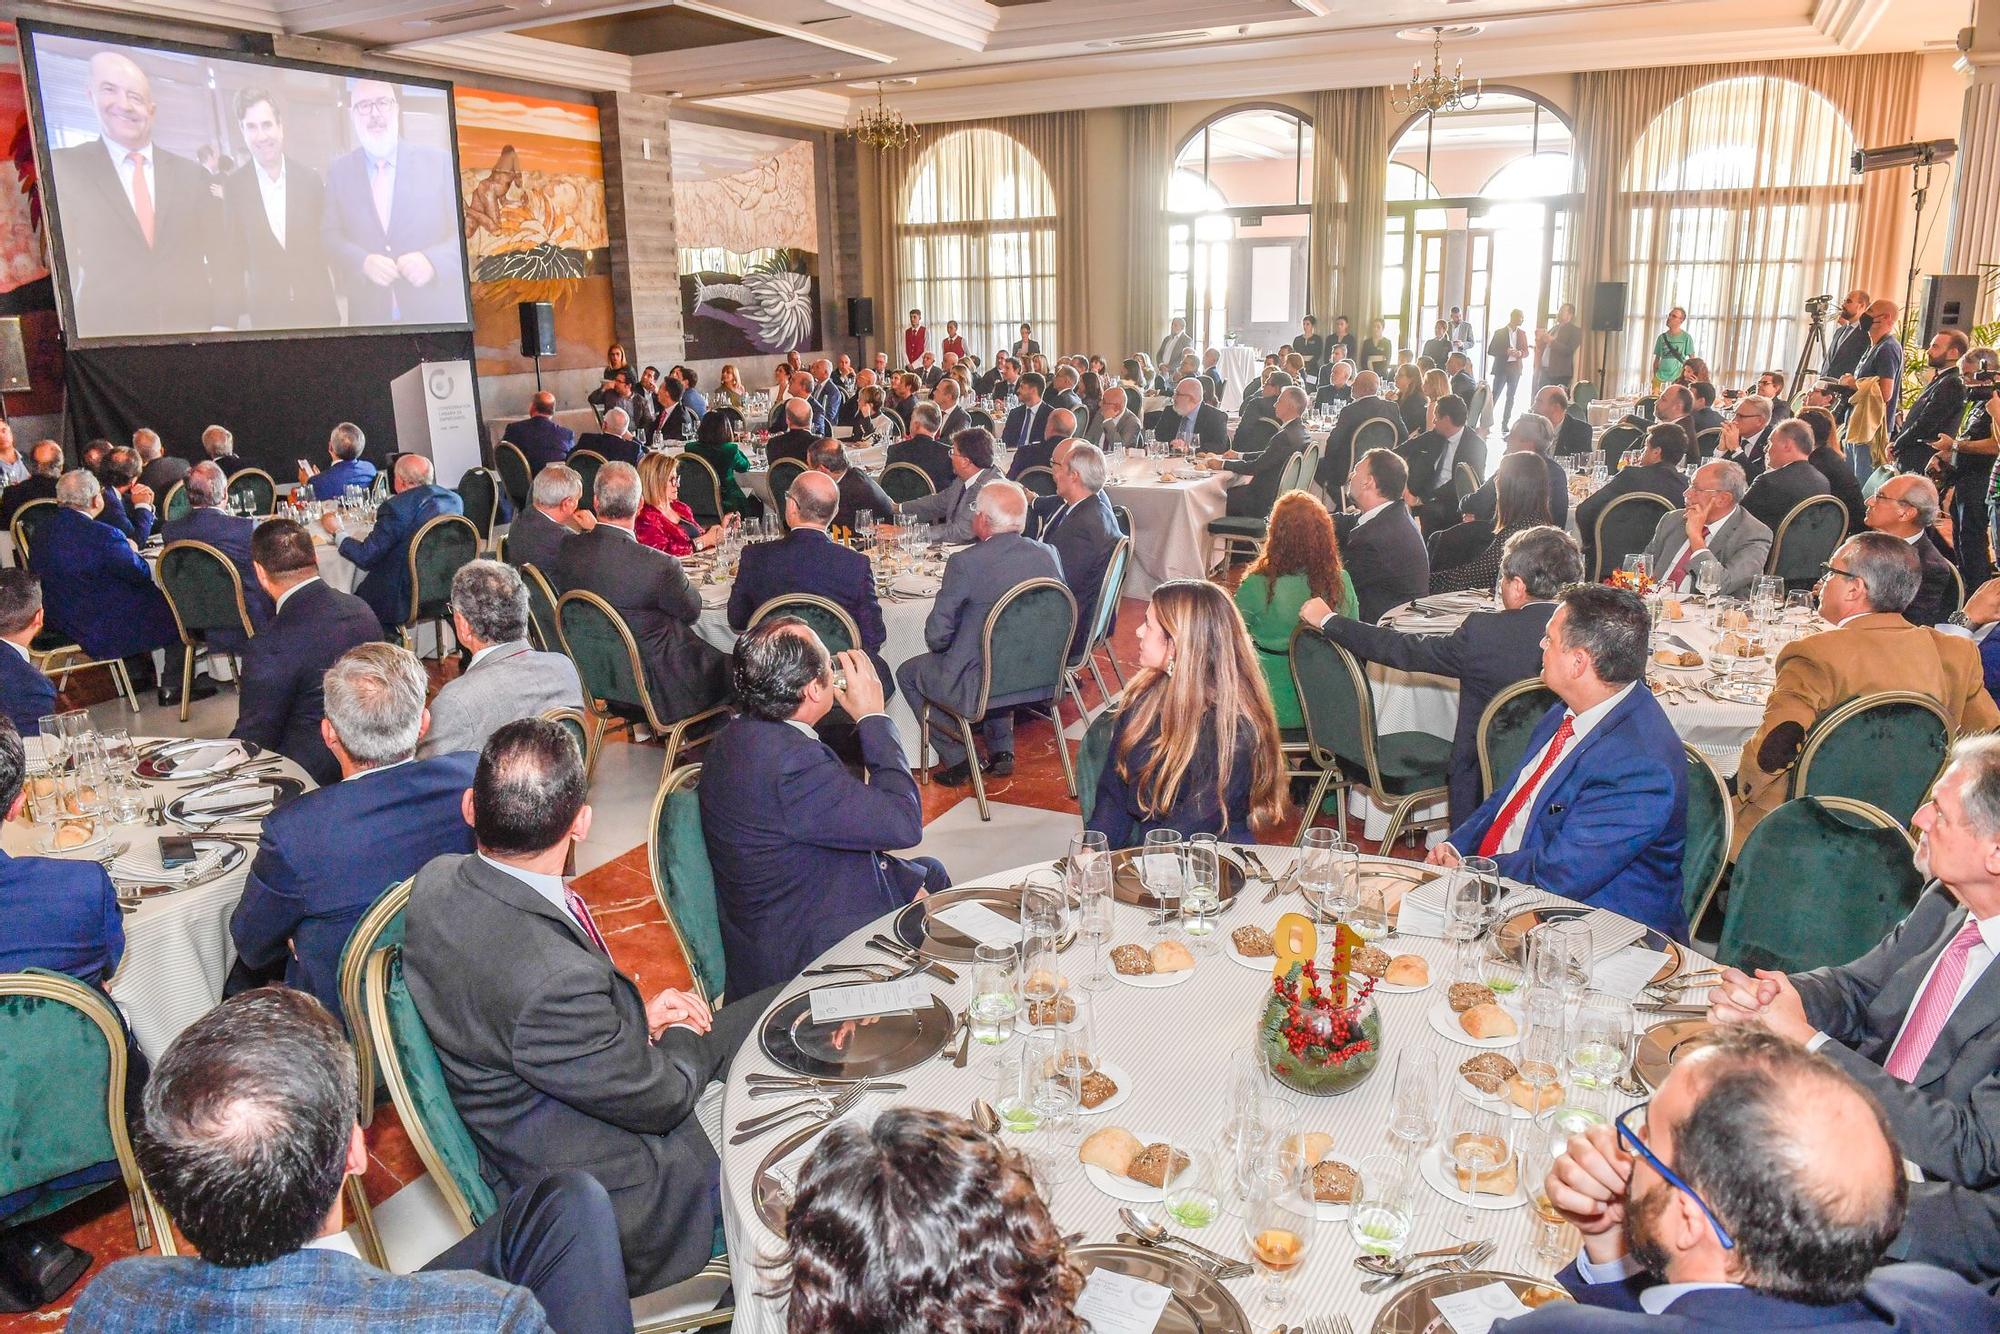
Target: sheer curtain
1350, 191
1725, 189
1149, 153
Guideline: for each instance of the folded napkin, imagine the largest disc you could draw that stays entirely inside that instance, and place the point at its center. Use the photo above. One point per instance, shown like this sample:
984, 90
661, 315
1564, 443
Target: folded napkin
210, 756
227, 797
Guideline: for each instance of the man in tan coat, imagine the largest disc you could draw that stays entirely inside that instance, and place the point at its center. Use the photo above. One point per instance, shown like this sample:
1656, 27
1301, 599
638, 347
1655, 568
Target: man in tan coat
1869, 581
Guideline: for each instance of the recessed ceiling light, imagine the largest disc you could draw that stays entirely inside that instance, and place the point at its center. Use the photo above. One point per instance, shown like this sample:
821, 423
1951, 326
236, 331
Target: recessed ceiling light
1449, 30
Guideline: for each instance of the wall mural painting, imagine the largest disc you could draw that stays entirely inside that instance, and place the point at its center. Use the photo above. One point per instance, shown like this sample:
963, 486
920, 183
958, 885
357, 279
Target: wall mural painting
23, 262
748, 223
532, 174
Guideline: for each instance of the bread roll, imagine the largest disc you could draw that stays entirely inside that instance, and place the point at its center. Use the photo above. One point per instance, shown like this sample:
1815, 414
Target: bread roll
1502, 1179
1370, 961
1408, 970
1488, 1072
1464, 995
1488, 1021
1170, 956
1254, 942
1098, 1088
75, 833
1157, 1164
1312, 1146
1112, 1148
1525, 1096
1334, 1183
1132, 960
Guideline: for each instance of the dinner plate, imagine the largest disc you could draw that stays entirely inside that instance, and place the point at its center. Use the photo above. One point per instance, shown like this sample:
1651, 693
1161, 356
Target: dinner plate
1510, 936
916, 927
1125, 1188
770, 1195
916, 585
1663, 1046
1737, 692
258, 798
1127, 888
1116, 1074
1199, 1304
1499, 1103
1444, 1020
145, 870
194, 757
1256, 963
1413, 1310
1153, 981
1442, 1177
893, 1043
84, 851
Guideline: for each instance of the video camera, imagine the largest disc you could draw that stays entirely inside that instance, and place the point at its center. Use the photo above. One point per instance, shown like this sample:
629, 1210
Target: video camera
1818, 306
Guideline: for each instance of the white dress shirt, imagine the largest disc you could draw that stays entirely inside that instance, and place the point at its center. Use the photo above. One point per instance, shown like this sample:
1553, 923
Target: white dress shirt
285, 596
335, 1241
1654, 1300
125, 170
1370, 513
274, 199
1714, 531
1581, 726
1977, 961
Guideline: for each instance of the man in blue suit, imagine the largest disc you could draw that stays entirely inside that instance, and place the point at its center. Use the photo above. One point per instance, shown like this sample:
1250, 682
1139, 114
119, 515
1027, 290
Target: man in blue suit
798, 843
541, 439
128, 503
392, 226
1757, 1191
385, 555
808, 561
826, 398
208, 520
1077, 521
348, 468
27, 695
313, 878
1597, 808
1027, 425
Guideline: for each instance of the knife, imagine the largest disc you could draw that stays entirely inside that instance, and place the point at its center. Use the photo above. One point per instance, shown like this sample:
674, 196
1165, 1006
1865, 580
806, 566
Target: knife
1682, 645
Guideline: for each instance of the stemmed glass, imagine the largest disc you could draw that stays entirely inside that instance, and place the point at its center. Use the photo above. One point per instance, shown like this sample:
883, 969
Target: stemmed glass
1163, 871
1370, 918
1544, 1040
1413, 1119
1041, 976
1280, 1218
55, 753
1202, 898
1057, 1083
1542, 1141
1094, 907
1480, 1146
1600, 1039
1708, 579
1328, 869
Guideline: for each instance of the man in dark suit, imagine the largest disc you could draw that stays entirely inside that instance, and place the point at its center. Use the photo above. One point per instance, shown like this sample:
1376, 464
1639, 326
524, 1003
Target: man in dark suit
1063, 393
311, 625
551, 1054
1433, 457
541, 439
1366, 405
128, 504
391, 225
1379, 542
98, 592
1336, 387
45, 468
312, 880
1059, 425
1189, 424
344, 446
1597, 808
1657, 473
796, 441
826, 397
808, 561
651, 591
272, 209
551, 517
1572, 431
1258, 420
1745, 438
1489, 651
924, 447
798, 842
1260, 472
385, 554
1938, 409
1705, 417
955, 418
858, 492
1077, 521
1787, 479
1458, 366
27, 695
1000, 558
1530, 433
138, 222
615, 443
1027, 425
1785, 1188
209, 521
157, 468
1906, 507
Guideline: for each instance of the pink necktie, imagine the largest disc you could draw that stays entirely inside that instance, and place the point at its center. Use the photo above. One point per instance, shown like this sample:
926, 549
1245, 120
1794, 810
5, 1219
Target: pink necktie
1505, 820
581, 911
142, 197
381, 189
1679, 572
1933, 1008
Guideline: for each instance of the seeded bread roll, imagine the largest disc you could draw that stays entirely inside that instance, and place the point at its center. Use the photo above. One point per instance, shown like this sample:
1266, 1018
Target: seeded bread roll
1254, 942
1488, 1072
1156, 1165
1132, 960
1097, 1089
1465, 995
1334, 1182
1371, 961
1061, 1010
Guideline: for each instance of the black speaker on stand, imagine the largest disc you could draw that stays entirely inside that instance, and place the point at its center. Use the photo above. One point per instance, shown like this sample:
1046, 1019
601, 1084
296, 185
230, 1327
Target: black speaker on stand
1607, 317
538, 334
860, 317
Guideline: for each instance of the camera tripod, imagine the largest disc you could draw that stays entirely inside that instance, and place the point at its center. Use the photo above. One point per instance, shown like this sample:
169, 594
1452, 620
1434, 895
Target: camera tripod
1811, 355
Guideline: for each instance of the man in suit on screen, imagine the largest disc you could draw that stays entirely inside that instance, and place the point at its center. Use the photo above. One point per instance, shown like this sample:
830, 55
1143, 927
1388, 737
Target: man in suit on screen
272, 207
391, 220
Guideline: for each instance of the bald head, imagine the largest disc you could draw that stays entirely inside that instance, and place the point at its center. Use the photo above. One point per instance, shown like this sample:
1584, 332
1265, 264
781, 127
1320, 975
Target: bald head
542, 405
123, 98
1062, 422
813, 500
412, 470
798, 413
1367, 383
1002, 507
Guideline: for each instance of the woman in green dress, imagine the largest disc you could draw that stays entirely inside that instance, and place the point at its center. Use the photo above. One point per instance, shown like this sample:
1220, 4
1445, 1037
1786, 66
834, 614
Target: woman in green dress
1301, 561
1672, 349
715, 443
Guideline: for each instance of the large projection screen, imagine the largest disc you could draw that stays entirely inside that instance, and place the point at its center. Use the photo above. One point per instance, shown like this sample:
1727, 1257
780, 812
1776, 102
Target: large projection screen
201, 194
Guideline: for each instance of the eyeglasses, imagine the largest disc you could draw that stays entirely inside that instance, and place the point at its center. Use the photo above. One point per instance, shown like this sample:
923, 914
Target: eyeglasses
1630, 1138
376, 106
1827, 569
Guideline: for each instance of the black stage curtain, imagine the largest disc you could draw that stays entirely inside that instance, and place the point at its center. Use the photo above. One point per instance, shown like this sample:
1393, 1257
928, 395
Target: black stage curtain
280, 397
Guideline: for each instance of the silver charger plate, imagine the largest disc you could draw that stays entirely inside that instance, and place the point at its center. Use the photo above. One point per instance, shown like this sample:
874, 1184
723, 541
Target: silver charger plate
891, 1044
275, 791
770, 1196
1127, 888
914, 925
157, 764
1199, 1304
1414, 1310
1511, 935
233, 855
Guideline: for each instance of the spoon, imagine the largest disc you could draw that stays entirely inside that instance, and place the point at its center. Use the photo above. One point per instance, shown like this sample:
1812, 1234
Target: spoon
1155, 1235
1383, 1265
985, 1117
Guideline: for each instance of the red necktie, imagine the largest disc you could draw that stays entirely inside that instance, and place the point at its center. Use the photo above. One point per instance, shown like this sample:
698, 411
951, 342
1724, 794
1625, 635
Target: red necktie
1679, 572
579, 910
1490, 844
142, 196
1933, 1008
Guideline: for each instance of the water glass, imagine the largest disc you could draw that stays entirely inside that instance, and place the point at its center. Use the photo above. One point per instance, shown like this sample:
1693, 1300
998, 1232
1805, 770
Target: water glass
1384, 1205
1163, 871
1017, 1081
1467, 901
55, 753
1371, 919
1544, 1041
1600, 1039
1194, 1198
1480, 1144
1419, 1092
1560, 955
1044, 908
1799, 609
1639, 565
1041, 980
1201, 900
996, 999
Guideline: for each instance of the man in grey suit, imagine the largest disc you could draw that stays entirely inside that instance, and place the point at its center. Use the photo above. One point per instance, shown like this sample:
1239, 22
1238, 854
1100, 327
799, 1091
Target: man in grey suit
1117, 426
507, 678
536, 535
1080, 526
1713, 528
552, 1056
974, 580
972, 467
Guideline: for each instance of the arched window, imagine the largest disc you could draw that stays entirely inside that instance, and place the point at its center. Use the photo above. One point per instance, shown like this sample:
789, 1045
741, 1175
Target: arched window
1242, 181
1741, 208
978, 241
1406, 182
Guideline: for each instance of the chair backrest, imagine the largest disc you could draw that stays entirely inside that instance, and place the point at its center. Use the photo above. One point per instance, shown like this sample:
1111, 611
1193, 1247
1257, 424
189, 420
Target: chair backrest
479, 489
1123, 516
981, 418
1092, 754
701, 489
417, 1086
1807, 537
1819, 882
380, 926
1039, 480
1475, 411
175, 504
1711, 828
1464, 480
828, 619
1705, 442
1026, 645
781, 476
204, 590
542, 624
1333, 697
1624, 526
258, 486
1955, 600
440, 548
606, 655
684, 881
1375, 433
28, 521
906, 481
1289, 476
573, 722
1104, 615
1617, 439
585, 463
1505, 726
515, 474
1885, 748
1579, 399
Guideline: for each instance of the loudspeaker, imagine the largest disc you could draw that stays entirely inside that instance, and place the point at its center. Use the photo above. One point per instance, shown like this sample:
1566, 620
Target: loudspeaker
538, 329
860, 317
1607, 308
1951, 301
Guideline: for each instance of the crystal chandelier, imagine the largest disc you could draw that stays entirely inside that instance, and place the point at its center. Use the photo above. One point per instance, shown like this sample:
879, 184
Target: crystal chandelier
1437, 93
882, 128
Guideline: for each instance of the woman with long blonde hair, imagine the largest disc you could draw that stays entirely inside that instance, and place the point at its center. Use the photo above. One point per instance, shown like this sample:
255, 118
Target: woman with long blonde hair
1196, 743
729, 389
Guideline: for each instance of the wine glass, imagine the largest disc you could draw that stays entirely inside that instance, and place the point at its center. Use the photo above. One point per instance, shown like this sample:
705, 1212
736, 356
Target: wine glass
1280, 1217
1202, 897
1317, 870
1559, 955
1419, 1092
1163, 870
1708, 579
1384, 1206
1041, 978
1093, 916
1479, 1146
1600, 1039
1057, 1082
1541, 1143
1544, 1042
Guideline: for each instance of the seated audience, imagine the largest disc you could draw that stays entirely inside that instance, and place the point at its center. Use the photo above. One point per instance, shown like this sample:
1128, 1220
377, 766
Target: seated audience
250, 1131
1459, 367
1745, 436
1190, 424
552, 1056
1487, 652
347, 468
1077, 521
1366, 405
808, 561
798, 843
1788, 478
871, 420
1705, 417
541, 439
385, 554
99, 594
1468, 556
45, 467
1982, 614
27, 695
1116, 426
552, 515
1905, 508
1026, 428
1530, 434
1831, 460
715, 444
1597, 808
796, 441
209, 521
1871, 647
664, 522
1380, 546
1170, 766
1657, 473
1572, 429
1713, 528
158, 469
219, 443
953, 418
650, 590
616, 442
859, 493
1433, 456
506, 677
675, 419
1254, 489
1299, 565
954, 507
128, 505
923, 447
1336, 388
877, 1234
1411, 405
976, 578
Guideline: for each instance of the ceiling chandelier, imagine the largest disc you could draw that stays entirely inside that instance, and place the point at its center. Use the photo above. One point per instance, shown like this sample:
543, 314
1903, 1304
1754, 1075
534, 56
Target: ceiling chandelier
1436, 93
881, 127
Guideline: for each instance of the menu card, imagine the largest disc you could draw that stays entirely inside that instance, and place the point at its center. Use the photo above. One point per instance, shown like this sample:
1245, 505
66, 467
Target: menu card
975, 920
1115, 1303
830, 1005
1627, 971
1474, 1310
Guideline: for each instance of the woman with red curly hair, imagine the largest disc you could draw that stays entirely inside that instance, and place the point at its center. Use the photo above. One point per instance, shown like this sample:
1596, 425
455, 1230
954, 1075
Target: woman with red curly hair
1301, 561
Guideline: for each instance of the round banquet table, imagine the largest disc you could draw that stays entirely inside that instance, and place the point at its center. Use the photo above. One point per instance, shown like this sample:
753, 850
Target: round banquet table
1177, 1046
1239, 368
1169, 520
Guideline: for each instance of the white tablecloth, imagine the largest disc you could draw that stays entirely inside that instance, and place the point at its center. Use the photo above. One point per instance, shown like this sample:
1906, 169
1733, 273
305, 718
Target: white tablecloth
1239, 367
1169, 522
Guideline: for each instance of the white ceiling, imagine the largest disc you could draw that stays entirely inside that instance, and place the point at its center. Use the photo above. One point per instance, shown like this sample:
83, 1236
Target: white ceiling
815, 60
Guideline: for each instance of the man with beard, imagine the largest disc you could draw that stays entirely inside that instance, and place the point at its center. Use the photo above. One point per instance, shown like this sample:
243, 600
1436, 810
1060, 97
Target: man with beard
1939, 408
272, 206
391, 219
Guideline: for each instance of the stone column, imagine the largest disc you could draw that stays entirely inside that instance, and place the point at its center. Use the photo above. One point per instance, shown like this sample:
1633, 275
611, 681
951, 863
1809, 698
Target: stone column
1975, 203
639, 216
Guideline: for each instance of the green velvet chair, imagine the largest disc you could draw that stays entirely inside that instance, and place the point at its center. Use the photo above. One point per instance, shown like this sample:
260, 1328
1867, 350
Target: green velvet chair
1504, 728
1806, 538
577, 724
1706, 442
614, 675
437, 552
1579, 399
175, 504
204, 591
1103, 616
1404, 771
1711, 828
1092, 754
1025, 657
515, 474
1616, 440
701, 489
63, 1067
1819, 882
1039, 480
541, 610
1243, 534
479, 490
1464, 481
255, 485
827, 619
585, 463
1624, 527
782, 474
28, 521
380, 927
1377, 433
1123, 517
684, 882
904, 482
1885, 749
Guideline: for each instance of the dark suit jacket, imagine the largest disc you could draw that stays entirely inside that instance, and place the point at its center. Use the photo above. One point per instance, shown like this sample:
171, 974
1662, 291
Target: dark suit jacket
332, 484
423, 216
955, 421
797, 841
60, 914
858, 492
36, 487
1937, 589
927, 452
1025, 426
97, 591
275, 286
1842, 482
162, 473
1338, 460
27, 695
1902, 1297
1572, 437
545, 1050
651, 591
1083, 535
133, 522
1262, 471
1489, 651
807, 561
1432, 484
1480, 503
385, 554
1462, 384
281, 702
1610, 824
542, 440
614, 448
1200, 807
312, 879
1649, 480
229, 534
975, 579
1211, 427
796, 445
826, 400
536, 539
1037, 454
1385, 558
121, 284
1777, 490
1936, 412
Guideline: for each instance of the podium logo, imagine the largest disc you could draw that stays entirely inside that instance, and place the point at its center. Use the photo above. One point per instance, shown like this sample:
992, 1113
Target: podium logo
441, 384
